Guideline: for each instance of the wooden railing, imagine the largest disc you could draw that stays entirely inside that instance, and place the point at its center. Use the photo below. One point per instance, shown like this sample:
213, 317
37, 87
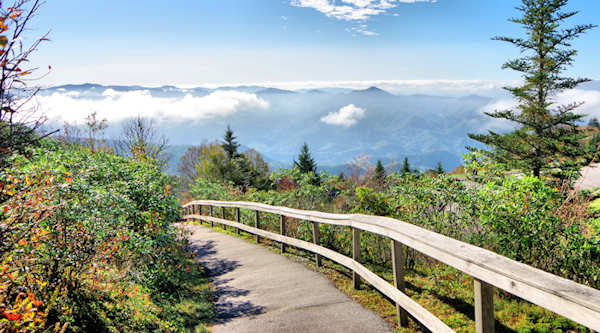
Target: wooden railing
564, 297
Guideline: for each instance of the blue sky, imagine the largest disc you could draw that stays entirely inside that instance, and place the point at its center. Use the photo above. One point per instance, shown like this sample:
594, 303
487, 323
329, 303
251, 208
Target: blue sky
202, 42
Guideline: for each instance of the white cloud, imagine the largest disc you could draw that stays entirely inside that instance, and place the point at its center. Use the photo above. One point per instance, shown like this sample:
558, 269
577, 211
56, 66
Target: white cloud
362, 29
590, 98
346, 116
116, 106
352, 10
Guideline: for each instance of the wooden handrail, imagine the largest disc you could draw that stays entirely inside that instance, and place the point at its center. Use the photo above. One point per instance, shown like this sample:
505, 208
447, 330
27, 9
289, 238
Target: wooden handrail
564, 297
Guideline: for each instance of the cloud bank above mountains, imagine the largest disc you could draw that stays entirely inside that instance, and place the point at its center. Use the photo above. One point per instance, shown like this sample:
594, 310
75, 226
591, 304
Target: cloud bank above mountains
338, 120
403, 87
116, 106
73, 106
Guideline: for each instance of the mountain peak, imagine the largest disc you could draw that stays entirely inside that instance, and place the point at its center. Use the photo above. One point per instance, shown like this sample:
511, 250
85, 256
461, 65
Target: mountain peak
371, 90
274, 91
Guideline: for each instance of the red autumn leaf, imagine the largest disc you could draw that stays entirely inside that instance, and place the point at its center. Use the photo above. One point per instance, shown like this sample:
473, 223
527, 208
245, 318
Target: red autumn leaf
12, 316
69, 179
5, 209
22, 242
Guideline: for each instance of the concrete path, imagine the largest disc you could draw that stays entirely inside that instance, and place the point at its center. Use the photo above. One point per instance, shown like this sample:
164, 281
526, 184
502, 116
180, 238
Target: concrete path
262, 291
590, 178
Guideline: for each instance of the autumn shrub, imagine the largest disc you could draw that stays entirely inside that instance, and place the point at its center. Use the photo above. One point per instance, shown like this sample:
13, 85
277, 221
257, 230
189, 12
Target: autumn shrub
88, 244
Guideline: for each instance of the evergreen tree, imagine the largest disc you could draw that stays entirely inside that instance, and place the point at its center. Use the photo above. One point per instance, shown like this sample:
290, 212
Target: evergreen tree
594, 123
439, 169
547, 135
341, 176
229, 144
405, 167
306, 162
379, 172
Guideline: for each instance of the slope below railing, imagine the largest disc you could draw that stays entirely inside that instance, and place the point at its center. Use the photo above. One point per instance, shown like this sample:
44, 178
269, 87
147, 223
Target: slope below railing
564, 297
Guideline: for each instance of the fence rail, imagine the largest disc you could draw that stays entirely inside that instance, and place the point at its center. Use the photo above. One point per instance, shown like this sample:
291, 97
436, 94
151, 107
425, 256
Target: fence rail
564, 297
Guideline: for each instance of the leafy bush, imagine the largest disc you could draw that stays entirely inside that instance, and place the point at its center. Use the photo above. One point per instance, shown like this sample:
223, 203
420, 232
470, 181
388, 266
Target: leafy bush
523, 219
88, 244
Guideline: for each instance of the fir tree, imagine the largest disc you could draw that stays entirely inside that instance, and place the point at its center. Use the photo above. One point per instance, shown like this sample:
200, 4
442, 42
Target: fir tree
547, 135
306, 162
405, 166
230, 145
341, 176
379, 172
439, 169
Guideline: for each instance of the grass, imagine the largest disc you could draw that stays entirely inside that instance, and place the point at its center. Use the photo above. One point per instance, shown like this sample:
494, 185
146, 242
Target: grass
444, 291
595, 205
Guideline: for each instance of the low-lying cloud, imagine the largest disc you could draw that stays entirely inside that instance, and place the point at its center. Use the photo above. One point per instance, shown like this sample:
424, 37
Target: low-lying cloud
589, 98
345, 117
403, 87
116, 106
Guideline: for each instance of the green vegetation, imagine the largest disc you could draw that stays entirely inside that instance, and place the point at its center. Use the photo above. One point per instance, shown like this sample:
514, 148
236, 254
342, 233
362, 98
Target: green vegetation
547, 136
88, 244
222, 162
524, 219
88, 241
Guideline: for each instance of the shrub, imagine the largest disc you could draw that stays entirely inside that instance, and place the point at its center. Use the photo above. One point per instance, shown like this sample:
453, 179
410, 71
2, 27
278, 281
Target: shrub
89, 244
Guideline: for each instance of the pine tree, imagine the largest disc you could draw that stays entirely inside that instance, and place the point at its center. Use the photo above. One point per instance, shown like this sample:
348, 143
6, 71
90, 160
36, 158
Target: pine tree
439, 169
341, 176
379, 172
230, 145
306, 162
547, 135
594, 123
405, 167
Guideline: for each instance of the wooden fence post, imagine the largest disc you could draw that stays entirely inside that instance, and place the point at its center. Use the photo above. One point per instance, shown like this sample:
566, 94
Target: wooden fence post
484, 307
237, 219
398, 259
316, 240
212, 224
223, 217
256, 224
282, 230
200, 212
356, 256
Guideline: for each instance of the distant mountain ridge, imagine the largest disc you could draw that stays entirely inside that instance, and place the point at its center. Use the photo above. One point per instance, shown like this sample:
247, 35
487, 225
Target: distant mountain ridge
425, 128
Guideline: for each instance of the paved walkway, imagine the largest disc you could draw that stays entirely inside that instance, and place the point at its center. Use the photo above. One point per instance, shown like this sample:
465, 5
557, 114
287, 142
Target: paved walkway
262, 291
590, 178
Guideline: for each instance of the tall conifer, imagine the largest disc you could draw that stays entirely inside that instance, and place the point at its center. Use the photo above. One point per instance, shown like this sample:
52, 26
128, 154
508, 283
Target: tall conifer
546, 135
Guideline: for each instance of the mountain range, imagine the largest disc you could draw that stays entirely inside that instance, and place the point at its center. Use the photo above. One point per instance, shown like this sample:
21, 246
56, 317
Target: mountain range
337, 123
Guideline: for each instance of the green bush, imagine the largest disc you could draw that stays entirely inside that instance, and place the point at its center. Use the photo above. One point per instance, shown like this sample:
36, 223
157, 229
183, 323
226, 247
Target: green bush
523, 219
89, 244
